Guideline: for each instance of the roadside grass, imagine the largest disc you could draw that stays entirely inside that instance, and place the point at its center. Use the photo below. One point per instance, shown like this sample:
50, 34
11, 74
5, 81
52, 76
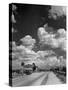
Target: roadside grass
62, 77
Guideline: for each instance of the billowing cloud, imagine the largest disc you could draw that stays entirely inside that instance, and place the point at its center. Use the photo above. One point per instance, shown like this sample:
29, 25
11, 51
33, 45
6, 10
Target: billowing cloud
62, 61
57, 11
28, 42
42, 33
22, 53
43, 59
14, 7
13, 18
45, 53
61, 39
61, 33
13, 30
13, 46
13, 11
55, 40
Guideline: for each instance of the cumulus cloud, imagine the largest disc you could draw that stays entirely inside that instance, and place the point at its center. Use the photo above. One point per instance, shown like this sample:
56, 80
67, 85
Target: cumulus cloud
29, 56
48, 62
22, 53
43, 54
13, 11
13, 18
52, 60
57, 11
28, 41
14, 7
13, 30
61, 33
13, 44
42, 33
61, 39
43, 59
55, 40
48, 58
62, 61
25, 50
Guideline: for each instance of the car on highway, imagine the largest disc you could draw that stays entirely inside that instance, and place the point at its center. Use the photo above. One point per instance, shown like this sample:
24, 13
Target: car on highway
29, 68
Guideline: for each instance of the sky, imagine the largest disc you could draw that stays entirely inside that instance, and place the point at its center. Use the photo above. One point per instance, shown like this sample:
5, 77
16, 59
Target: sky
38, 30
30, 17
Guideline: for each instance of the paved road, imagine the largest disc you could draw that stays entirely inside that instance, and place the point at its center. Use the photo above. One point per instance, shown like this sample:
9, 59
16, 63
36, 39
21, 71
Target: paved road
35, 79
52, 79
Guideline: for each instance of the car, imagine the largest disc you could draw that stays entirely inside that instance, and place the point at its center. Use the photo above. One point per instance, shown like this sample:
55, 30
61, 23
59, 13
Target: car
28, 69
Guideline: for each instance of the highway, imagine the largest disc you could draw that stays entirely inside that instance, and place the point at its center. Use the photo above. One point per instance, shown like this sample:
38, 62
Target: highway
36, 79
